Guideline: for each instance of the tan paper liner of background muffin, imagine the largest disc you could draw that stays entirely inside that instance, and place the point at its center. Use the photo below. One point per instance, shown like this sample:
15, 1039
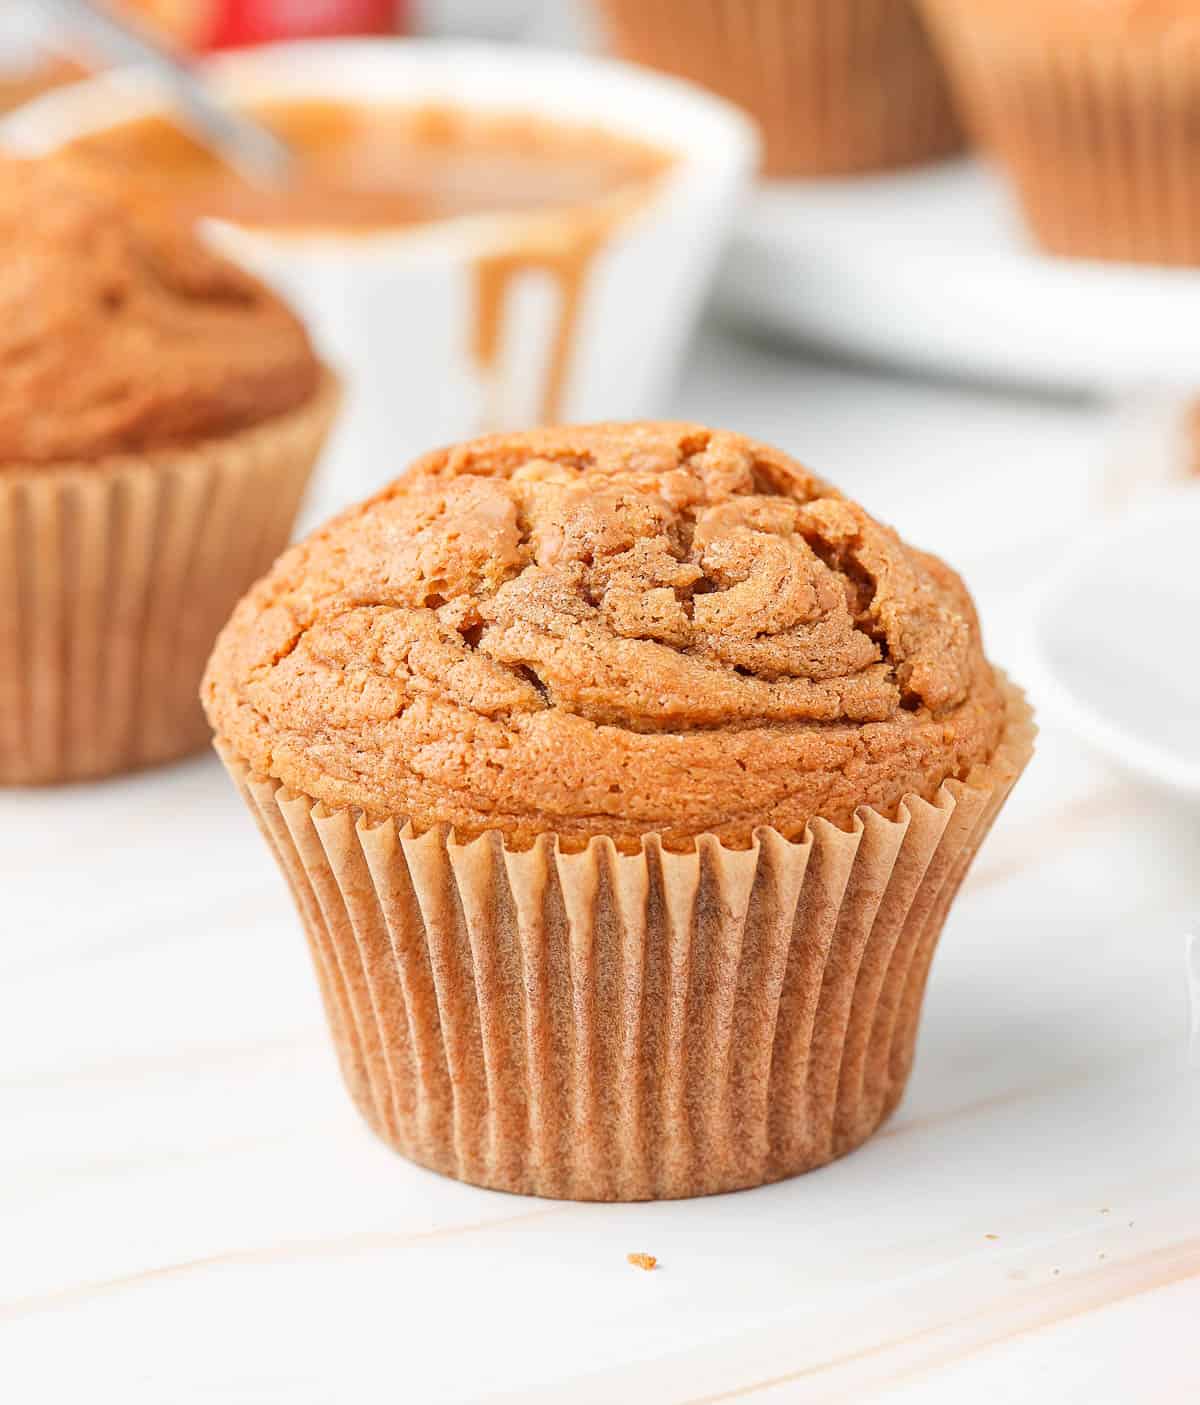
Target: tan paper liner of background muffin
609, 1026
837, 85
115, 579
1099, 134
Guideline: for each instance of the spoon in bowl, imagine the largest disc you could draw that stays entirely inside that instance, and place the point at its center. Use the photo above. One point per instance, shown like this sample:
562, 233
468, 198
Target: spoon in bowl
252, 149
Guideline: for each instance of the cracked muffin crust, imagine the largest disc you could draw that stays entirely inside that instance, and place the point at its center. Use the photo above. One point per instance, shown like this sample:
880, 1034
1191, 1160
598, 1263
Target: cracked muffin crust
610, 629
119, 335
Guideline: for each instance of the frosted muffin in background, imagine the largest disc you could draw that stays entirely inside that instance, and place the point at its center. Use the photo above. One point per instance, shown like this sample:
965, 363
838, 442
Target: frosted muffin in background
623, 776
838, 86
160, 414
1092, 107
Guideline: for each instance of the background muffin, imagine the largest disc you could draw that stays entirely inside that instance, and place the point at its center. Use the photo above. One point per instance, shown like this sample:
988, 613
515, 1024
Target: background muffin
1092, 107
837, 85
622, 776
160, 414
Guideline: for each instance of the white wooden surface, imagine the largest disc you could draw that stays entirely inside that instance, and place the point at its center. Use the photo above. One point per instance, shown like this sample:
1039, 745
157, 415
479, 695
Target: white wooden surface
191, 1211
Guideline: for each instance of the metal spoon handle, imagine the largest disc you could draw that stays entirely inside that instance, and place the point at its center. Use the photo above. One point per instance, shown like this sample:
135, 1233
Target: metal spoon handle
245, 144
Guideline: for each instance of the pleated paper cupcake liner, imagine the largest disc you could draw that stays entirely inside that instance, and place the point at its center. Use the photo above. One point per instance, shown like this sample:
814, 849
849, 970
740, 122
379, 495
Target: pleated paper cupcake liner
607, 1026
837, 85
1100, 138
115, 579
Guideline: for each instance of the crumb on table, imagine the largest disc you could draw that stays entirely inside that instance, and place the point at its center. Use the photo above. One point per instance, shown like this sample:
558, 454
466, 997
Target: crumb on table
646, 1261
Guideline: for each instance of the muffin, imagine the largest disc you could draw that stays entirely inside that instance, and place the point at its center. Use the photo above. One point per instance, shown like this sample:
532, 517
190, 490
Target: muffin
622, 776
838, 86
1092, 107
160, 414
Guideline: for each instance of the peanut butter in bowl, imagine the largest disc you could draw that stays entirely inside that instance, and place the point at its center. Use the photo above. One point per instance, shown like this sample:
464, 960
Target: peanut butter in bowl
370, 169
479, 237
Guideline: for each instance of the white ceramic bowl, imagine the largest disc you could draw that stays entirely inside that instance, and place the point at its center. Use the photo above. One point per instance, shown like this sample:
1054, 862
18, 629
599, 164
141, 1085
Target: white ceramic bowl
1112, 650
395, 310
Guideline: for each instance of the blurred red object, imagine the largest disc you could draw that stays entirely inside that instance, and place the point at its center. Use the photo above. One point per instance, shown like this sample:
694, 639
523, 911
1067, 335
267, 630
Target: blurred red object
226, 24
260, 21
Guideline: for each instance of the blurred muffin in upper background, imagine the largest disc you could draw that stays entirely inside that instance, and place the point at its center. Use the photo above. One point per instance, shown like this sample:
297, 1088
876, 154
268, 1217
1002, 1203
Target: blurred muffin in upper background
160, 414
838, 86
1093, 107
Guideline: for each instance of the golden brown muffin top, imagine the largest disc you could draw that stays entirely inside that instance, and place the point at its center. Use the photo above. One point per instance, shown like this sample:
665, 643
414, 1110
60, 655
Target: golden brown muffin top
118, 335
613, 629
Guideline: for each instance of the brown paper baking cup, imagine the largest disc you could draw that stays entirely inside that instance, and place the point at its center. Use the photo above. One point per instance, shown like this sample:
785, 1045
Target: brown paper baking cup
837, 85
115, 579
1101, 138
607, 1026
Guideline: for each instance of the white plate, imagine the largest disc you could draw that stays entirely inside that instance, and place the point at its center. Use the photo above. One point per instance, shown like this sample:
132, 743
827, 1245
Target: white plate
933, 269
1113, 649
